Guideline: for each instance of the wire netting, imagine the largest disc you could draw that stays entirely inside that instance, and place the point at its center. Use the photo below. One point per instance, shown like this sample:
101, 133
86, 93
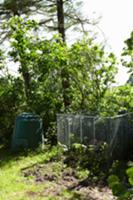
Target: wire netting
116, 131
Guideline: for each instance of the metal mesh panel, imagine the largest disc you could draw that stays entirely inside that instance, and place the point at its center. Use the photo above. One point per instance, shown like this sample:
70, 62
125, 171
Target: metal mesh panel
88, 130
116, 131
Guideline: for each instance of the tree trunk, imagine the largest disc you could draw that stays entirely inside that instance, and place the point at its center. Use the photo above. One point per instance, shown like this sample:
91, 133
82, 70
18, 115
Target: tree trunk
26, 77
64, 72
60, 17
27, 83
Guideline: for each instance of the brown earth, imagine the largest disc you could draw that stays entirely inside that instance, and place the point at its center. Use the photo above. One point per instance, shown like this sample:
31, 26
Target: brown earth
62, 184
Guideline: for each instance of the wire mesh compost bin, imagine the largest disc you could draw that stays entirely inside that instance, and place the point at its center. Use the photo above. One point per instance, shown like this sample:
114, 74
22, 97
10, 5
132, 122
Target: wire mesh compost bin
116, 131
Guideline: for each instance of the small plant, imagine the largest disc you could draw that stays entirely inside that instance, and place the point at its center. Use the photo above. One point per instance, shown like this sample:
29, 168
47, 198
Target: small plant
82, 173
116, 186
55, 153
123, 189
129, 173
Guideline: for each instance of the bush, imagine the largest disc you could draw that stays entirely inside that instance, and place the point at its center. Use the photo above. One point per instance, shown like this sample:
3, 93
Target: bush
11, 97
92, 157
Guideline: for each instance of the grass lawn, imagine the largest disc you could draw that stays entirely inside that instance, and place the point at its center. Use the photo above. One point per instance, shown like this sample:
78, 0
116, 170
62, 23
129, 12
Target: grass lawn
39, 175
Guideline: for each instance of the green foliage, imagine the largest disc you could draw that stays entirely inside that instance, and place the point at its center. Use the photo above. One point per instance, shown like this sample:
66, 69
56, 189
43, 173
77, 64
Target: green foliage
127, 57
124, 97
121, 182
116, 99
93, 72
44, 64
11, 101
82, 173
119, 189
2, 59
54, 16
16, 7
127, 54
116, 186
129, 172
92, 158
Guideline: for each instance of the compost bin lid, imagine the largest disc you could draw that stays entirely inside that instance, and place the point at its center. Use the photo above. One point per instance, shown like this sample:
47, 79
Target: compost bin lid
28, 116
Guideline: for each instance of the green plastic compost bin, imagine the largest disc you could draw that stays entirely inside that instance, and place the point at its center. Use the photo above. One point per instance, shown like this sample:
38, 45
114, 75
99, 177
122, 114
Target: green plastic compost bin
27, 132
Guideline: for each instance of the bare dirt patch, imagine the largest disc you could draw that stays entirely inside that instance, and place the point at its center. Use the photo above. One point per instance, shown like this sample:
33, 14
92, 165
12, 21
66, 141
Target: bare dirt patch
61, 183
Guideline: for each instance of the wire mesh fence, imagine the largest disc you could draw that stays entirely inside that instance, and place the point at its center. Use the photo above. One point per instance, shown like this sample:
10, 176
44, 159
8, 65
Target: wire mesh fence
116, 131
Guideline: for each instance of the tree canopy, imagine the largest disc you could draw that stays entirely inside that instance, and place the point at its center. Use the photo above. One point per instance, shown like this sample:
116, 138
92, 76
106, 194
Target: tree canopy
54, 77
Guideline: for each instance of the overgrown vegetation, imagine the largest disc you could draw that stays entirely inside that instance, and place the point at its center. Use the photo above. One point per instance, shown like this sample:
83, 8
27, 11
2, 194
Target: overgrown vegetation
93, 158
81, 172
41, 63
45, 174
56, 77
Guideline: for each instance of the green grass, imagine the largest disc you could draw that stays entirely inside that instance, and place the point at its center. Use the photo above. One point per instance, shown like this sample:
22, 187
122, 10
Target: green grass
13, 185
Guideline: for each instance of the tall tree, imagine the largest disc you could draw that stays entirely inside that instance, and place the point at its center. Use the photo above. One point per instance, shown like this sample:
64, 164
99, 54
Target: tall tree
20, 47
62, 15
64, 73
55, 15
90, 69
66, 19
93, 73
59, 16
